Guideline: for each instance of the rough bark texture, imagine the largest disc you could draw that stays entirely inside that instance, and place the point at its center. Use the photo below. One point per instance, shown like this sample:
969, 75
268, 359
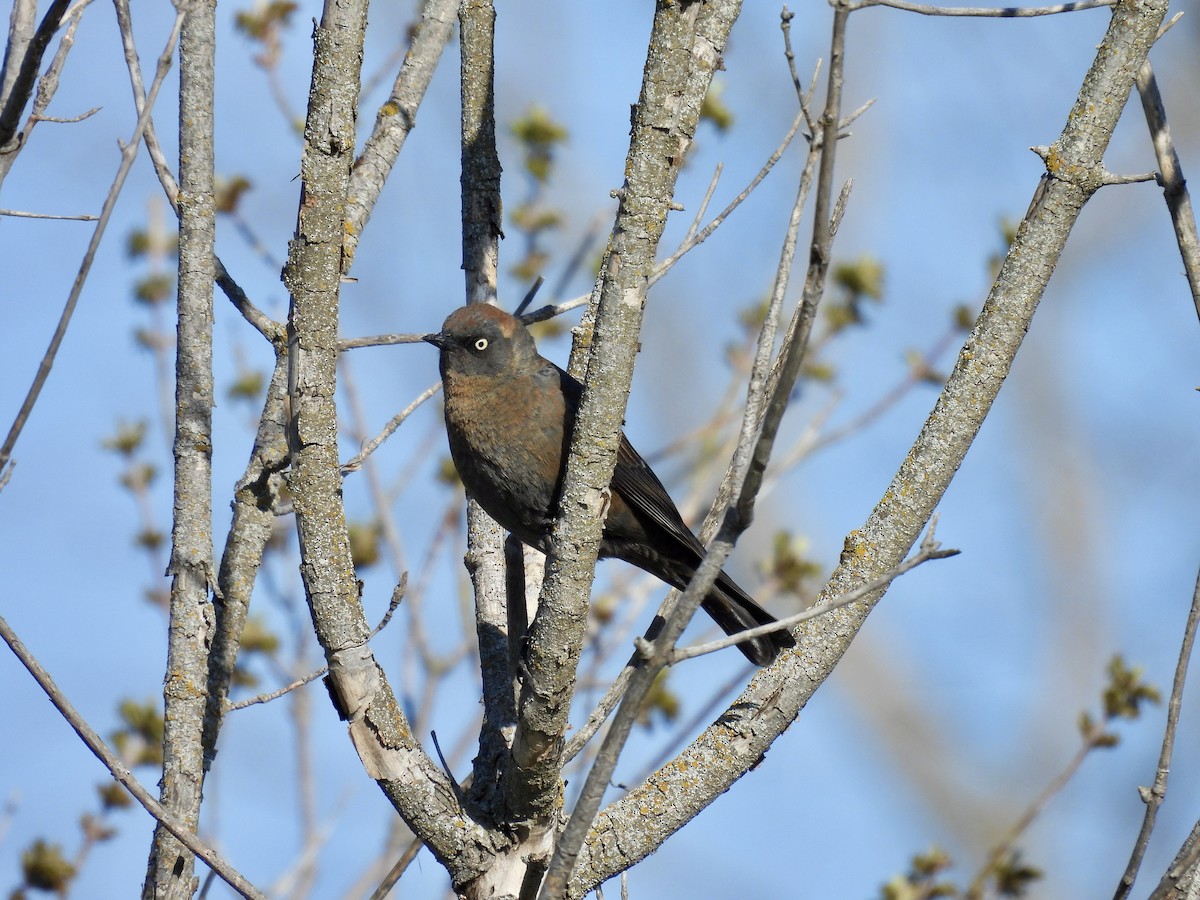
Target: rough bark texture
170, 870
396, 118
482, 215
254, 501
684, 51
415, 785
637, 824
481, 225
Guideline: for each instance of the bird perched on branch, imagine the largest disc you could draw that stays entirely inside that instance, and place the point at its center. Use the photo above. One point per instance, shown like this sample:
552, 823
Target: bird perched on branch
509, 416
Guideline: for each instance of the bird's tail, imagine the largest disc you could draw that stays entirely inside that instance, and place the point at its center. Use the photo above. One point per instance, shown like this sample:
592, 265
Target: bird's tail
735, 611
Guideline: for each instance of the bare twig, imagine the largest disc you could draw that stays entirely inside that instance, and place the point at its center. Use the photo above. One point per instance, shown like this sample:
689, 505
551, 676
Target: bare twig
699, 217
397, 420
1092, 739
122, 774
529, 295
275, 695
378, 340
397, 597
1175, 191
22, 214
393, 875
22, 87
396, 119
1154, 795
930, 549
266, 326
695, 238
67, 120
1002, 12
394, 604
48, 85
128, 154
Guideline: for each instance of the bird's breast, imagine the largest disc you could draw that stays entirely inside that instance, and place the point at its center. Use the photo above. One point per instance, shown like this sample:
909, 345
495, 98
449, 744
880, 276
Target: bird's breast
506, 439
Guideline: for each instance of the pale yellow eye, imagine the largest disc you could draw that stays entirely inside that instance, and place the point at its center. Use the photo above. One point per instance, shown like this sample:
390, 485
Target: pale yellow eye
481, 344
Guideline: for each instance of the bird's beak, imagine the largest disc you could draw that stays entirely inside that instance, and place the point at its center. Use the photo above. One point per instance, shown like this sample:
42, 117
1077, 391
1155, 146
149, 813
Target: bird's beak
437, 339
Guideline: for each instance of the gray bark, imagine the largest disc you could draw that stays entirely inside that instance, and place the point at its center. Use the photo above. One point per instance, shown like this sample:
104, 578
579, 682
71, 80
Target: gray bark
171, 865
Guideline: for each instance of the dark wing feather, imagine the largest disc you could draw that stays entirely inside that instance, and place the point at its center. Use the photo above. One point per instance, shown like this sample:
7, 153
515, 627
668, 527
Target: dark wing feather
638, 486
731, 607
636, 483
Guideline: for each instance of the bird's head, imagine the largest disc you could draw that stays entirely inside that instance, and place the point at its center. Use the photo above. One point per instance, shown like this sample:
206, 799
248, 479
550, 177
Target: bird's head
480, 339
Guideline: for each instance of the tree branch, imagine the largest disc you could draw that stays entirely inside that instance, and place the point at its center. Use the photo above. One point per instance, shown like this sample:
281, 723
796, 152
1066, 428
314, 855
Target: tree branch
929, 550
414, 784
1154, 795
396, 118
481, 231
1174, 185
128, 154
1003, 12
685, 48
189, 630
121, 773
664, 803
264, 324
254, 502
30, 61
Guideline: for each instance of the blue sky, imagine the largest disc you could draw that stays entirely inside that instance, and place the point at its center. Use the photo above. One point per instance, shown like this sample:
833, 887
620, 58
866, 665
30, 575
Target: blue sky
1075, 510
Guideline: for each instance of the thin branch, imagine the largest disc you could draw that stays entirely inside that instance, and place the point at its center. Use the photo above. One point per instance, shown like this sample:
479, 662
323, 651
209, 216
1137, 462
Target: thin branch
276, 694
122, 774
1175, 191
396, 119
379, 340
583, 250
22, 88
19, 213
690, 241
397, 598
1002, 12
397, 870
1154, 795
529, 295
785, 25
1092, 739
773, 396
47, 85
929, 550
694, 239
708, 194
128, 154
355, 463
610, 701
1111, 178
67, 120
266, 326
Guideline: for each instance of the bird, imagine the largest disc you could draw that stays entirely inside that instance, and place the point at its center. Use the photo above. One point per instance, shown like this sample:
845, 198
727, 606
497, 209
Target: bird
509, 417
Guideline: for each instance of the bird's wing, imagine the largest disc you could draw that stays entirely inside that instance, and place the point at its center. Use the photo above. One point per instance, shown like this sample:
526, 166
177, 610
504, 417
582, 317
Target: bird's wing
636, 483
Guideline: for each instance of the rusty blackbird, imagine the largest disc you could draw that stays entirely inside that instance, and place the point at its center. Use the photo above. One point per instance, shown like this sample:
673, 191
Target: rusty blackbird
509, 417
